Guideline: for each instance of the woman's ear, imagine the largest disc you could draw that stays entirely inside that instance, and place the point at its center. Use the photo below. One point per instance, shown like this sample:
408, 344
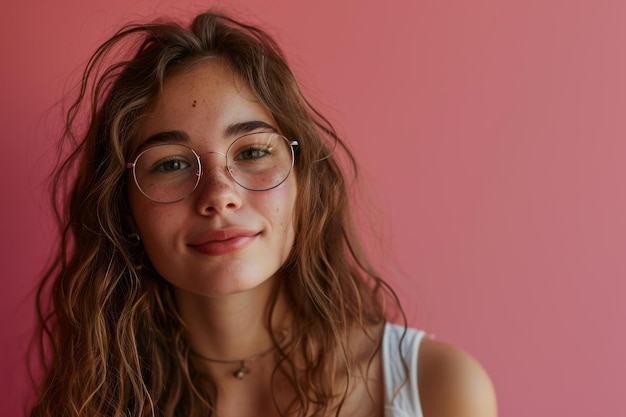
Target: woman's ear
134, 237
134, 245
131, 230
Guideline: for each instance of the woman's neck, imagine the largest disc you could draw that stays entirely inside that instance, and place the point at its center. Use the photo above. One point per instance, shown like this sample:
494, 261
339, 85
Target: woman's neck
232, 327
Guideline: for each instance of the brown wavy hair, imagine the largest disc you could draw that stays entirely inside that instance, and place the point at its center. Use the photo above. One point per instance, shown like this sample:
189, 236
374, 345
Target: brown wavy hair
111, 341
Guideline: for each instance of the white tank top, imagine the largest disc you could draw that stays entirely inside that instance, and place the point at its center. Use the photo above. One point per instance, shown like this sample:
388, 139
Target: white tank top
401, 391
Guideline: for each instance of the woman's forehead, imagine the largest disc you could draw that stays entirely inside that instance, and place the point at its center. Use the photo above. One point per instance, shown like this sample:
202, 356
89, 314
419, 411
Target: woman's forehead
203, 99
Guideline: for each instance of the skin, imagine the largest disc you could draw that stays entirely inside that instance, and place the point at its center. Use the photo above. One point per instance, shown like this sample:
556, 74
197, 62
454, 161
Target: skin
222, 291
452, 383
174, 234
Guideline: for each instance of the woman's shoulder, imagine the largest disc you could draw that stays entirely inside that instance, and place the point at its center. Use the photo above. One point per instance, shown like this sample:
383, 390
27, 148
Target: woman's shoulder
452, 383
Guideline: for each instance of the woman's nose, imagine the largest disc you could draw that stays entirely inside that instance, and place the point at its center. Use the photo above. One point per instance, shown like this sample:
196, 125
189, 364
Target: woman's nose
217, 191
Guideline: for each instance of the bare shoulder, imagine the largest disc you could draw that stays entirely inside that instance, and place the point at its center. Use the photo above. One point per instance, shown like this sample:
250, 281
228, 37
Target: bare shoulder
452, 383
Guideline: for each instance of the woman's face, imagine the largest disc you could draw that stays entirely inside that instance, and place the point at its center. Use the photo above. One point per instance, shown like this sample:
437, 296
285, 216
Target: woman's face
222, 239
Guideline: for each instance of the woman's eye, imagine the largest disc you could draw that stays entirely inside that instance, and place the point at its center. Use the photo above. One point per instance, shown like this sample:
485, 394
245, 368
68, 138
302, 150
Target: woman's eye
172, 165
253, 153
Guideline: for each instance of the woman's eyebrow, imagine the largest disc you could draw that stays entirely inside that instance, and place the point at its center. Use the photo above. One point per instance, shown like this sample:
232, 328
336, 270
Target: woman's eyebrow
241, 128
175, 136
178, 136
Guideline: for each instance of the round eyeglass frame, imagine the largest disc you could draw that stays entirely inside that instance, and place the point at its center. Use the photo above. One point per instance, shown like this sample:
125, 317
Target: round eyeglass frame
291, 143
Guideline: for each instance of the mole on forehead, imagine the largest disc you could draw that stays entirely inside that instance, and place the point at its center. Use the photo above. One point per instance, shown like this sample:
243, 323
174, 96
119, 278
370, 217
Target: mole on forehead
194, 103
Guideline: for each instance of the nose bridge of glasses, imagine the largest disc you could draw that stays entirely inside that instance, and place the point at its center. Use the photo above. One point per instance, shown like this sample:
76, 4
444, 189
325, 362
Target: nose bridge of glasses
204, 155
215, 152
221, 166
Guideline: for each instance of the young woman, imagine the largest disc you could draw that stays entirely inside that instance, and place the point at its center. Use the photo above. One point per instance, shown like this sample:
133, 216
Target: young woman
208, 264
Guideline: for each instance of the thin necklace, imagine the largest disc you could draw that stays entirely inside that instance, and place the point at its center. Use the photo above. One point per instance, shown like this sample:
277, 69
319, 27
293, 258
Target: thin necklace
243, 369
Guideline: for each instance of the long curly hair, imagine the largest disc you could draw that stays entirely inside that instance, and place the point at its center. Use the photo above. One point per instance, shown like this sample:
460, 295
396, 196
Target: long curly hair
111, 341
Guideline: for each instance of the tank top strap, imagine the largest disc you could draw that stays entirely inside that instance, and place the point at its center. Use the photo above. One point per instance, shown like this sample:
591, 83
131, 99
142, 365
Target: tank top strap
400, 377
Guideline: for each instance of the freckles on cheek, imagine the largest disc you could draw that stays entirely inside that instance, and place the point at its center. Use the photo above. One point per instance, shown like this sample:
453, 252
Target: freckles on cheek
280, 203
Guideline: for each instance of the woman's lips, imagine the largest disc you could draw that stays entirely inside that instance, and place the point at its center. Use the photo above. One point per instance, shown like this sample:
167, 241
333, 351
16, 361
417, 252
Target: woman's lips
223, 241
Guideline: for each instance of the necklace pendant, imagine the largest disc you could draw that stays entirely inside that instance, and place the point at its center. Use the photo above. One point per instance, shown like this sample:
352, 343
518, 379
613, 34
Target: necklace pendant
242, 371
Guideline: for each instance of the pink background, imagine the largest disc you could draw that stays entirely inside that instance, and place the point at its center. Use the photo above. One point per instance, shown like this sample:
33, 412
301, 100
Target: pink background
493, 136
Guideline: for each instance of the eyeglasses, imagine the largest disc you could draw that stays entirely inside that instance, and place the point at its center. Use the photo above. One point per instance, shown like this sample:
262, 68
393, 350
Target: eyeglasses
167, 173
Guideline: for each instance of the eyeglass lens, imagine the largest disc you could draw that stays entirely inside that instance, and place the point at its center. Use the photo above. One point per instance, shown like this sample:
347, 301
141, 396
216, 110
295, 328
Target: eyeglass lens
170, 172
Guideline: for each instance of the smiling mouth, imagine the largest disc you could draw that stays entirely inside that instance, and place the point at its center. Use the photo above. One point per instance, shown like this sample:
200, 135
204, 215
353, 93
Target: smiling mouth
224, 242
